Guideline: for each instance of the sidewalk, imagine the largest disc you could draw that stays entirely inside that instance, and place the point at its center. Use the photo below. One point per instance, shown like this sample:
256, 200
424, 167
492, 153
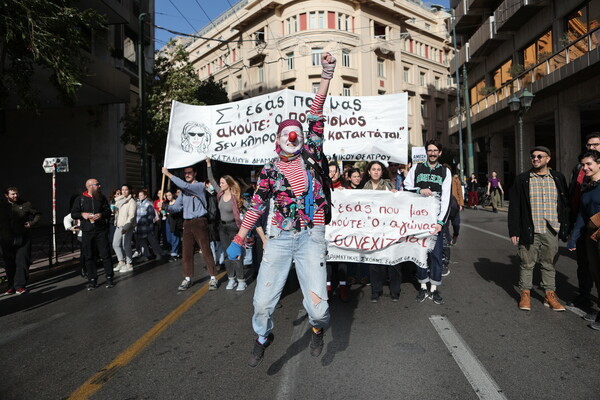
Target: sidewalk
41, 269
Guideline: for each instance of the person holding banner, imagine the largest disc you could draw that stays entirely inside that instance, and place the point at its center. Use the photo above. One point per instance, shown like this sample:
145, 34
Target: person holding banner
299, 184
428, 179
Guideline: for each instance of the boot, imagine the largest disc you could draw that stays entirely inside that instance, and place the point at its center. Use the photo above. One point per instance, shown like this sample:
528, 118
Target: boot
552, 301
525, 302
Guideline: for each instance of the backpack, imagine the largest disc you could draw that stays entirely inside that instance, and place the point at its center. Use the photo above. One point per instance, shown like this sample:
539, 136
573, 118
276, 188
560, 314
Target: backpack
213, 214
321, 173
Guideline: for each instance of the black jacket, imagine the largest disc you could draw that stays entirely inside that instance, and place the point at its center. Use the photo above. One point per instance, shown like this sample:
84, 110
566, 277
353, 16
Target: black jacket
14, 216
87, 204
520, 221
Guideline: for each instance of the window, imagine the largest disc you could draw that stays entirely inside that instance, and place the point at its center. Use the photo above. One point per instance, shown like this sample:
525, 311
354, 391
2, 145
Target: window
345, 58
422, 80
448, 81
378, 30
292, 24
406, 75
424, 110
502, 74
290, 60
343, 22
321, 19
427, 26
261, 73
380, 68
315, 87
239, 82
316, 56
410, 109
475, 90
347, 90
540, 50
312, 20
438, 111
381, 92
259, 37
437, 83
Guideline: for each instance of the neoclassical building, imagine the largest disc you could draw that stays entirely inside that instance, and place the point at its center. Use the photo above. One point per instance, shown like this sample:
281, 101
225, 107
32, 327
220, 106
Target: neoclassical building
382, 47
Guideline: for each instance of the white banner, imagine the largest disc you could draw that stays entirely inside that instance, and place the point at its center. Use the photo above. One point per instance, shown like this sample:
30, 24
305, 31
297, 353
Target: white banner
243, 132
381, 227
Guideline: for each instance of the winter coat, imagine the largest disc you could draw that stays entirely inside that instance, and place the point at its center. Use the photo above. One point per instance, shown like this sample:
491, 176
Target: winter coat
125, 212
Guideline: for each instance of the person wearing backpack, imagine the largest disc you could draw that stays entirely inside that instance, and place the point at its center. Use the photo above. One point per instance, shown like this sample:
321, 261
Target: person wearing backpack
298, 181
427, 179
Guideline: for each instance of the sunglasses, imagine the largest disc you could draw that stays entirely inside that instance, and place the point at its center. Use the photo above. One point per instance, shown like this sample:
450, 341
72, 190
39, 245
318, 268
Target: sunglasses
538, 156
200, 134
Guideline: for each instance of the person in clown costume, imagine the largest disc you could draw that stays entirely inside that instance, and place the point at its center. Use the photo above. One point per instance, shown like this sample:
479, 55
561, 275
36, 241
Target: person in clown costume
297, 184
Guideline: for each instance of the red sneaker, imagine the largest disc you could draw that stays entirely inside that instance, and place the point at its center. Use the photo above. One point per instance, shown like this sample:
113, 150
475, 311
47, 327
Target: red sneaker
10, 291
21, 290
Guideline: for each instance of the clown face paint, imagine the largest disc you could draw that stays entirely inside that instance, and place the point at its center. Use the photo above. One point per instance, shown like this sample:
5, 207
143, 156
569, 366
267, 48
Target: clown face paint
291, 146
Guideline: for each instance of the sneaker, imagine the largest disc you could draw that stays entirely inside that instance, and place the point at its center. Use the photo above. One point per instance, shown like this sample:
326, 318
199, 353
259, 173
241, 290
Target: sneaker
525, 301
436, 297
231, 284
395, 298
445, 270
422, 295
258, 351
143, 259
10, 291
454, 239
92, 284
242, 285
316, 343
595, 325
591, 317
118, 267
551, 301
173, 258
213, 285
126, 268
135, 254
109, 282
21, 291
374, 297
344, 293
185, 284
581, 301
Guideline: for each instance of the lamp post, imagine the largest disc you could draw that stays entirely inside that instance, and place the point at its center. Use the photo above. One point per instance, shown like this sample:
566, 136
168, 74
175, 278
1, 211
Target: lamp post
521, 105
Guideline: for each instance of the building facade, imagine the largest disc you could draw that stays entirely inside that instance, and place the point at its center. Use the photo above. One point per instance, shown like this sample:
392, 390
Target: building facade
88, 132
382, 47
549, 48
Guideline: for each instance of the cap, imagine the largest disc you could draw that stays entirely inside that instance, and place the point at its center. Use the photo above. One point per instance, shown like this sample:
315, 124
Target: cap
541, 148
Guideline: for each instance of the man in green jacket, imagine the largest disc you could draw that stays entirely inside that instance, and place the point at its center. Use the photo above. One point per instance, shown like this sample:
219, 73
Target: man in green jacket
16, 219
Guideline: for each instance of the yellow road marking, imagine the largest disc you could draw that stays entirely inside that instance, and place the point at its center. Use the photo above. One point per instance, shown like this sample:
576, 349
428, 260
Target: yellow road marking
100, 378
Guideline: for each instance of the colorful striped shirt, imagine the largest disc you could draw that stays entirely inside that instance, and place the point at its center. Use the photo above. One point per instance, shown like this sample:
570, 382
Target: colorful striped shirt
544, 202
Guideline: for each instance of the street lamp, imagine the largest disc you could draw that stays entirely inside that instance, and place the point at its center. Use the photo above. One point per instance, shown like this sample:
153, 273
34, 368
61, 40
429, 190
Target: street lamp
521, 105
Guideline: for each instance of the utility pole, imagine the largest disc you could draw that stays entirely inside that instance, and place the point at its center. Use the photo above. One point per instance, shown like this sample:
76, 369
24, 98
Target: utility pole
142, 101
459, 114
471, 168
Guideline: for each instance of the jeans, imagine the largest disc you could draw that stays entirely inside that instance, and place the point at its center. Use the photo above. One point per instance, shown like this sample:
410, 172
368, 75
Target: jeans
378, 273
593, 255
307, 249
217, 252
235, 268
173, 239
122, 245
433, 273
584, 277
98, 239
543, 250
17, 260
447, 243
149, 239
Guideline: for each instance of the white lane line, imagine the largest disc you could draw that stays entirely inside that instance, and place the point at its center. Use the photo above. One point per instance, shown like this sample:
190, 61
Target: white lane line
286, 385
484, 385
485, 231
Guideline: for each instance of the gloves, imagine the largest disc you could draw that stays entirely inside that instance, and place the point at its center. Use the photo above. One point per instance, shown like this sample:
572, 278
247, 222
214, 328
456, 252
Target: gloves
328, 66
234, 251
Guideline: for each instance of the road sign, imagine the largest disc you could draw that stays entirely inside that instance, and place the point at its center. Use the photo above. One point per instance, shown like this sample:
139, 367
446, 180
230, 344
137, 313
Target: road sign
61, 164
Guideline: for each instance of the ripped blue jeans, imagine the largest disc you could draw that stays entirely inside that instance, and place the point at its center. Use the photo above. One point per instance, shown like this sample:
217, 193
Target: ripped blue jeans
307, 249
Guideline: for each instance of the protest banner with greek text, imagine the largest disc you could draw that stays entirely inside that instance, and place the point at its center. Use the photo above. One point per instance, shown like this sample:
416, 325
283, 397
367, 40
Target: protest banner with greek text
244, 132
381, 227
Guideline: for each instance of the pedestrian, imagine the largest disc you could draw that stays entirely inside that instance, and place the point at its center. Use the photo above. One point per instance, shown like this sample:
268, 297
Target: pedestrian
93, 210
194, 203
376, 177
537, 218
587, 224
146, 218
299, 184
337, 182
17, 217
214, 221
174, 226
337, 270
426, 179
472, 187
125, 210
457, 193
396, 176
578, 179
494, 189
230, 203
355, 178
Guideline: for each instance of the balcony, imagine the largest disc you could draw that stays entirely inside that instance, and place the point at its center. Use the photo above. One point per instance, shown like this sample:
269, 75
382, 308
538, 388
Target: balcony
469, 13
512, 14
464, 54
485, 39
348, 73
287, 76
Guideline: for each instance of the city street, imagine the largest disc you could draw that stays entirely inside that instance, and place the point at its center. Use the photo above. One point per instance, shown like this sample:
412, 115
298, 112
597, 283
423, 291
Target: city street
144, 340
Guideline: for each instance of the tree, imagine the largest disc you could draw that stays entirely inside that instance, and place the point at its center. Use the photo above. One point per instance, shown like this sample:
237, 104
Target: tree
173, 78
45, 35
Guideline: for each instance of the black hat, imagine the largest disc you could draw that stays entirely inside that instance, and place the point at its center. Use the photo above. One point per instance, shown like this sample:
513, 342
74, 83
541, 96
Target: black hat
541, 148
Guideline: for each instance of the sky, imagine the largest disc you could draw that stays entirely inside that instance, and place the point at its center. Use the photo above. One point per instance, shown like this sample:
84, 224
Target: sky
189, 16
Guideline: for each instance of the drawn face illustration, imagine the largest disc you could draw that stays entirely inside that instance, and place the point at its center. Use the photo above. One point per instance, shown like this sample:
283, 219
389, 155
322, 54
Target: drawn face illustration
195, 136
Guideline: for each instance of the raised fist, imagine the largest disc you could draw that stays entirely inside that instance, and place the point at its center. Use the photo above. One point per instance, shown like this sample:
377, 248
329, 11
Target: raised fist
328, 62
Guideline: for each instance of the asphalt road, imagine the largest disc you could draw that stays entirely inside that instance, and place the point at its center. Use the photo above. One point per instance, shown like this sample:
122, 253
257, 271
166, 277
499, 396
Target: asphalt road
144, 340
